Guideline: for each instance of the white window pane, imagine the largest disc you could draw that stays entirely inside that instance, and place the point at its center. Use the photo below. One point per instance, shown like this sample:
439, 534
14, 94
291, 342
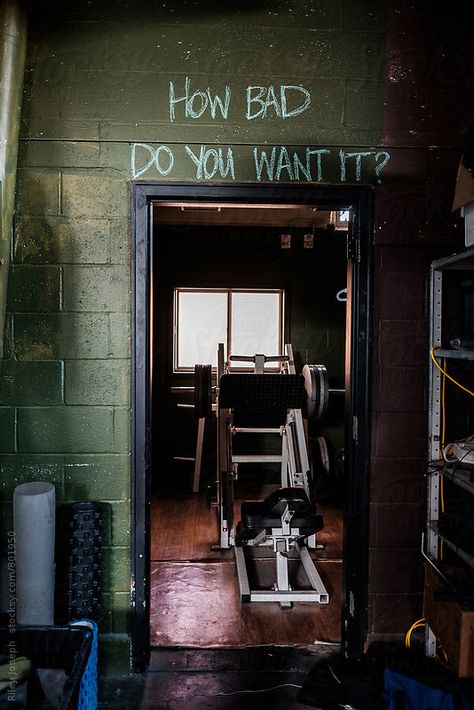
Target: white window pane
255, 324
202, 324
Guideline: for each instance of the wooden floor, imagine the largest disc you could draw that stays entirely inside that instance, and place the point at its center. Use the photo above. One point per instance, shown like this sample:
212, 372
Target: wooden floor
194, 591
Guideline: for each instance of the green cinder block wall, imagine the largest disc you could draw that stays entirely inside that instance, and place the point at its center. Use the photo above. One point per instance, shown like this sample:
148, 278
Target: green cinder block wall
97, 81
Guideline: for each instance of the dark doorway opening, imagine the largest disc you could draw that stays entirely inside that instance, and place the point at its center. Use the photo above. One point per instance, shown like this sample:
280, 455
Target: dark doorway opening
216, 237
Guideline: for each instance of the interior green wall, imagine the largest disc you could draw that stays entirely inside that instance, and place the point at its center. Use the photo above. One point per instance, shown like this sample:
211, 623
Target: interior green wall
97, 80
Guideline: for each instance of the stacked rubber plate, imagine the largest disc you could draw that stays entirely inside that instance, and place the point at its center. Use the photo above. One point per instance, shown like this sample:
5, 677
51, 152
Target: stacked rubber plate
317, 390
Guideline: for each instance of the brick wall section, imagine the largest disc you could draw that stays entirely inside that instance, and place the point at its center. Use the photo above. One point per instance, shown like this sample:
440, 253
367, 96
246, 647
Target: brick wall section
428, 104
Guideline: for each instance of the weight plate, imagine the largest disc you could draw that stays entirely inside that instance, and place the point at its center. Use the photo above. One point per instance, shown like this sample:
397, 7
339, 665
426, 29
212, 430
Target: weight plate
323, 452
203, 391
326, 482
317, 390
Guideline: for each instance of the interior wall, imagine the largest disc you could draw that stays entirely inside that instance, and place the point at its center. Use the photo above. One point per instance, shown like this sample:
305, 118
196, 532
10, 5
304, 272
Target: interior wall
391, 76
428, 104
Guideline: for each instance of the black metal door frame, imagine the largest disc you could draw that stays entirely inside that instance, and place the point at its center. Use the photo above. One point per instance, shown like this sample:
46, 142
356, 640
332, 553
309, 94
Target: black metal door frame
358, 419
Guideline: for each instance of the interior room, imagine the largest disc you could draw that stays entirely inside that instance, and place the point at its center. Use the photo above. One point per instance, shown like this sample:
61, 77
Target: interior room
284, 268
236, 347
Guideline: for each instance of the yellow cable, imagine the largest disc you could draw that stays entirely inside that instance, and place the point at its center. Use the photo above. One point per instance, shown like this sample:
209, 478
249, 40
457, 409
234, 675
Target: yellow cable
440, 649
416, 625
432, 355
408, 638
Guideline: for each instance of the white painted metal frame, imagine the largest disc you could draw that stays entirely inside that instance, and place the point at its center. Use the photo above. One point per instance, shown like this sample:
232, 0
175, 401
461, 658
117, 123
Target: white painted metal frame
294, 474
282, 593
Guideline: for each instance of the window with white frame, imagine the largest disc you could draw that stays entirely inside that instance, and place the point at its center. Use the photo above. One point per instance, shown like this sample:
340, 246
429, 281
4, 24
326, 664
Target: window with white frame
246, 321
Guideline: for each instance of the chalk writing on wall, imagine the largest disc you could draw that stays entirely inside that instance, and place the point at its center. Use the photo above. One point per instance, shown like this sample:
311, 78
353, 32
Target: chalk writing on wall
285, 101
275, 164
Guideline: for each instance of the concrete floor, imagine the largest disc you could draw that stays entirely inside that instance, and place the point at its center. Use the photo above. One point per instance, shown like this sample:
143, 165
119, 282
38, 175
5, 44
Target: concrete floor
264, 677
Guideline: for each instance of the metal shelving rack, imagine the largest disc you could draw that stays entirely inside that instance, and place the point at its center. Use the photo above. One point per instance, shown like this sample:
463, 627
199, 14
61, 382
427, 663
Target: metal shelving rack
461, 262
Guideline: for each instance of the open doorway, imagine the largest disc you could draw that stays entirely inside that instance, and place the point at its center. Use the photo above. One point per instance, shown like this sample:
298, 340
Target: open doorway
302, 254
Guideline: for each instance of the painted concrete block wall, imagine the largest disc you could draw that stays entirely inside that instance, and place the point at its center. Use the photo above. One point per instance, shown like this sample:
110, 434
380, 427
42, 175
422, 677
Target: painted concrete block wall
66, 376
98, 81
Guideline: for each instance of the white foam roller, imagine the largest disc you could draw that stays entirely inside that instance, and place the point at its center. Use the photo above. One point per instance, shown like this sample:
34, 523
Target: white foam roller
34, 527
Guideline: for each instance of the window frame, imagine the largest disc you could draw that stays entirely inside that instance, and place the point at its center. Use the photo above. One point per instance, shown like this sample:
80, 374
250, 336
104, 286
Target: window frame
229, 291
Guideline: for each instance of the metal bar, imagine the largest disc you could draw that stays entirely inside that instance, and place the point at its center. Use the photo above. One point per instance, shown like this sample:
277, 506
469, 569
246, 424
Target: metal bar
256, 458
242, 575
224, 454
462, 260
468, 559
181, 405
460, 478
312, 573
252, 358
303, 451
284, 459
283, 584
434, 412
183, 458
229, 325
291, 360
301, 595
455, 354
432, 564
255, 430
198, 457
291, 457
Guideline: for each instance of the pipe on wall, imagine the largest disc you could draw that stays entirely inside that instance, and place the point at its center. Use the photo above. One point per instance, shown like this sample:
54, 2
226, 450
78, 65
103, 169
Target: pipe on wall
13, 32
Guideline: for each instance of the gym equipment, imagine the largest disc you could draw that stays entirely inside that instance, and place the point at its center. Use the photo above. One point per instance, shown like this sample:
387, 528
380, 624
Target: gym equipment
79, 560
34, 527
203, 391
268, 403
317, 390
203, 408
315, 405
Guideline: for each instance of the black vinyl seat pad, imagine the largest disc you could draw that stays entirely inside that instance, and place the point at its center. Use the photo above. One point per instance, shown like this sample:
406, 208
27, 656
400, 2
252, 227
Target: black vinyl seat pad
267, 513
261, 400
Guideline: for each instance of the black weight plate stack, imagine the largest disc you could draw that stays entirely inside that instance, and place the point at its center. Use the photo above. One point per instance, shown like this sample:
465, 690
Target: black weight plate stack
203, 391
317, 390
82, 547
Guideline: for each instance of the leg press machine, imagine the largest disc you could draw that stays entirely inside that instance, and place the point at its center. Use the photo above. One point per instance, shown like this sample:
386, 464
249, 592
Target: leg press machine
270, 402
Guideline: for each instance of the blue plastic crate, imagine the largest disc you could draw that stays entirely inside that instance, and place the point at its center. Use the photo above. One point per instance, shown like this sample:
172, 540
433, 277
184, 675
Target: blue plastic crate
88, 689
